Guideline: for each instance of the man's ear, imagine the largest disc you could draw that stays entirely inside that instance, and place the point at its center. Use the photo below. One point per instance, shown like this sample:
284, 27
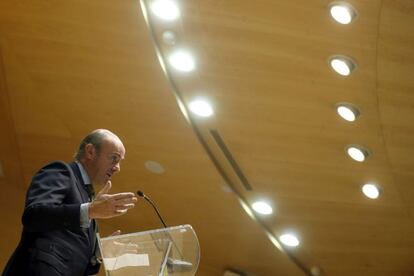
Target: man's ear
90, 151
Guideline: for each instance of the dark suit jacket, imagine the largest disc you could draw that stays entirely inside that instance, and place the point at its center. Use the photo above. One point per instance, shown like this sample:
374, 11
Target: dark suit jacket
52, 241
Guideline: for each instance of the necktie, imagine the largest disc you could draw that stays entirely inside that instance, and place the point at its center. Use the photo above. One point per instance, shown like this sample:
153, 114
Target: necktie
94, 229
91, 191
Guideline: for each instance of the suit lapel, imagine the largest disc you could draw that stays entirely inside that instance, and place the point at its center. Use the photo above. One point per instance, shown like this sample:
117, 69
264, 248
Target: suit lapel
79, 182
85, 198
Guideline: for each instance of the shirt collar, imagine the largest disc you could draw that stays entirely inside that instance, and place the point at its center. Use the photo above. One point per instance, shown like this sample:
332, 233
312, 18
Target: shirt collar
84, 174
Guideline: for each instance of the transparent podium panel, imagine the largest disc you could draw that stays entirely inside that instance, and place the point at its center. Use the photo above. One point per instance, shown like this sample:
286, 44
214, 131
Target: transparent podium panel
167, 251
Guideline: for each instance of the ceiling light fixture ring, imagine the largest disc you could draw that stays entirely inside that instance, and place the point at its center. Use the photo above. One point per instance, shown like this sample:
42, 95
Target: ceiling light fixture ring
342, 64
357, 152
348, 111
372, 190
343, 12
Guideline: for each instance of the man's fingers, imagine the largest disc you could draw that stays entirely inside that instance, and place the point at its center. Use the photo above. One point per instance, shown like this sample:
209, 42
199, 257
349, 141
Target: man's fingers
121, 211
116, 233
125, 206
129, 206
111, 205
126, 201
106, 188
123, 196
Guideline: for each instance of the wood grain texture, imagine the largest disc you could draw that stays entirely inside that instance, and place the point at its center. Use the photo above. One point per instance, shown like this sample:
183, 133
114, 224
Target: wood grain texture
70, 67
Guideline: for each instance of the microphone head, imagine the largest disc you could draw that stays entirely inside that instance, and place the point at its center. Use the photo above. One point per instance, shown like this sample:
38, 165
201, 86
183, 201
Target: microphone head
140, 193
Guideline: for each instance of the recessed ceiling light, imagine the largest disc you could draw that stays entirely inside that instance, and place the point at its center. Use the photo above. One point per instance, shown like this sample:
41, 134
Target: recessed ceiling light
201, 108
372, 191
165, 9
357, 152
154, 167
262, 207
289, 240
182, 61
347, 111
342, 65
343, 13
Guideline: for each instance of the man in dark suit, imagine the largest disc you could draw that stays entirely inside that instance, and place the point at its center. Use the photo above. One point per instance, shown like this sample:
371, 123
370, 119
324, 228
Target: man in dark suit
59, 227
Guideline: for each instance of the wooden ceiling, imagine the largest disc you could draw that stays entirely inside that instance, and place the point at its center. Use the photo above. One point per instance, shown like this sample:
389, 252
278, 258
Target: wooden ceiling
67, 67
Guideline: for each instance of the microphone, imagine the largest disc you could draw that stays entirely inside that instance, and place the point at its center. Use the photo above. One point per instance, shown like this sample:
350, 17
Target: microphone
173, 265
141, 194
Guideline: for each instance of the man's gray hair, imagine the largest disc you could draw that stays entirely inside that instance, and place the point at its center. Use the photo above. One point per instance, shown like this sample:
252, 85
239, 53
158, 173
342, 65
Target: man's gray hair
95, 138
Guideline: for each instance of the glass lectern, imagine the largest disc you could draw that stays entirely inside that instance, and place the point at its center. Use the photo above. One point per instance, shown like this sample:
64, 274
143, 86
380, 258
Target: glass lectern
161, 252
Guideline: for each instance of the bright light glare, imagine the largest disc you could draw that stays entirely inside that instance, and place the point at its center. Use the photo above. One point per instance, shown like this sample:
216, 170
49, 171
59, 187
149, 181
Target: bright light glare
347, 113
341, 66
342, 14
262, 208
274, 241
371, 190
247, 209
289, 240
182, 61
356, 154
165, 9
169, 37
201, 108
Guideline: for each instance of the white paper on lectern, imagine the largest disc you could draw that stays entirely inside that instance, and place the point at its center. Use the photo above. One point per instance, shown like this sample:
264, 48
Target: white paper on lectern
126, 260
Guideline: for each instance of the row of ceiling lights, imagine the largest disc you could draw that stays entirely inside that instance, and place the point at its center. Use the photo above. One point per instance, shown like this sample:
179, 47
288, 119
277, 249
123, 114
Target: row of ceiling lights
183, 61
344, 13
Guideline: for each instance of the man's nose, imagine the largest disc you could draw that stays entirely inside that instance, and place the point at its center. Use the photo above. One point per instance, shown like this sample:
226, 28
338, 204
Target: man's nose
116, 168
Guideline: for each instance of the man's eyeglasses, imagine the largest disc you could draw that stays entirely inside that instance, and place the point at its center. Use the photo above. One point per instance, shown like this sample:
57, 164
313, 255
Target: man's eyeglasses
115, 158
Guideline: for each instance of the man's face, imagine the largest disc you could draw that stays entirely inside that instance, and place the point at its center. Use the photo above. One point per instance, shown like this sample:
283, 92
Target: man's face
107, 161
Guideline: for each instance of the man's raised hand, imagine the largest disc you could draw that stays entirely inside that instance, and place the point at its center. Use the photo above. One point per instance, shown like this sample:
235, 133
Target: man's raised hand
111, 205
